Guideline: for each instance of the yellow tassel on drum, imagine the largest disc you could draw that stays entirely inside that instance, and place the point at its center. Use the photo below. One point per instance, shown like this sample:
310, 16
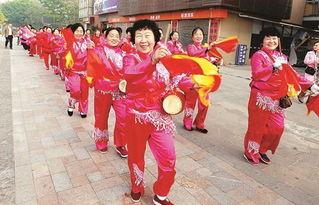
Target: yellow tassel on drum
292, 92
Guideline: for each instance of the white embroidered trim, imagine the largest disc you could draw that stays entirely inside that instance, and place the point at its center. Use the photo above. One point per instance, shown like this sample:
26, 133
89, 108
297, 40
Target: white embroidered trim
116, 58
175, 81
188, 112
100, 134
72, 102
253, 146
105, 92
161, 74
266, 103
159, 120
139, 175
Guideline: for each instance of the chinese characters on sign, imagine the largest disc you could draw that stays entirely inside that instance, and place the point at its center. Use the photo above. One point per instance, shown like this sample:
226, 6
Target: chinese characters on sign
187, 15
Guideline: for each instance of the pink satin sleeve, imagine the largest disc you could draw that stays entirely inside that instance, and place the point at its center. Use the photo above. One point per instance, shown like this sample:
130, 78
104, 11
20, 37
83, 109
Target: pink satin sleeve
193, 51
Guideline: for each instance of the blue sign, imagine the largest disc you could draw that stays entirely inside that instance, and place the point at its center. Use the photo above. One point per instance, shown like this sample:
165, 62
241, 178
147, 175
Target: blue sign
105, 6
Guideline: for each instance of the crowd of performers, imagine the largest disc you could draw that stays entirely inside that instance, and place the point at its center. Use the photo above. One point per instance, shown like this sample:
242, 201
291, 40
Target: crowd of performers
134, 74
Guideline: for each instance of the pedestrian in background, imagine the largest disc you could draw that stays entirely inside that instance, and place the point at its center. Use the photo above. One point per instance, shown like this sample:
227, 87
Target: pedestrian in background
8, 34
312, 61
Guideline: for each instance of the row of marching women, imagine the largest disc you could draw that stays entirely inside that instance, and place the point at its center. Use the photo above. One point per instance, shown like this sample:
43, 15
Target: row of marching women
146, 80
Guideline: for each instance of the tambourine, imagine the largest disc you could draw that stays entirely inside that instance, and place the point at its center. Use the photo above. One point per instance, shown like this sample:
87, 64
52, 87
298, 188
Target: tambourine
174, 102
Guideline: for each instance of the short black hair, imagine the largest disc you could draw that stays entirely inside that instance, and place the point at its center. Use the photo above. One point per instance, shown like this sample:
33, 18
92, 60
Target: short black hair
129, 30
76, 26
108, 30
171, 34
55, 30
146, 24
48, 27
269, 31
104, 29
119, 30
197, 28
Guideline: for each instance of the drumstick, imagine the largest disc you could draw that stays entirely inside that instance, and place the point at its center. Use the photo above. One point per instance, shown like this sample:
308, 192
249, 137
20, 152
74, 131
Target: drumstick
167, 32
279, 45
208, 34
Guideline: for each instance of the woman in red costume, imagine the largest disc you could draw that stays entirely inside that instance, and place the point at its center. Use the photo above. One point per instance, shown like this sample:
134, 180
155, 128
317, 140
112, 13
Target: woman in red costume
126, 44
57, 45
46, 46
174, 45
79, 89
33, 43
265, 113
98, 39
196, 49
147, 82
107, 93
39, 37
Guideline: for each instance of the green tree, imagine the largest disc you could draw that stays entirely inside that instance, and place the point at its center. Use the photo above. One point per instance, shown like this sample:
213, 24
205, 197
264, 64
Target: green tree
64, 12
2, 18
23, 12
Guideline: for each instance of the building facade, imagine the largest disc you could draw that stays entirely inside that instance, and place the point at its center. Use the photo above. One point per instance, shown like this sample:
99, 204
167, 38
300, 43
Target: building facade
85, 11
218, 18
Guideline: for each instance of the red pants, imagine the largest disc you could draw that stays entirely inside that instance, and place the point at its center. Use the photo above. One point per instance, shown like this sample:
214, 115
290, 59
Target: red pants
46, 59
265, 127
191, 99
102, 106
163, 149
79, 92
33, 49
55, 63
39, 51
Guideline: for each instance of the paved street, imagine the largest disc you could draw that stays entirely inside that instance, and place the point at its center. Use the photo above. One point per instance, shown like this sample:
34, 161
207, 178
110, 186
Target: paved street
48, 157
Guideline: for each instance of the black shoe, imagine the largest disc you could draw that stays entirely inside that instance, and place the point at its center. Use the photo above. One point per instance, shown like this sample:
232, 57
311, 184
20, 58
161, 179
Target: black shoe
264, 158
202, 130
83, 115
191, 129
70, 111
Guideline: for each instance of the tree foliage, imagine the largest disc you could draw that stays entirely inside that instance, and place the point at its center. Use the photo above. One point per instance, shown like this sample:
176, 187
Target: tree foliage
22, 12
3, 19
64, 12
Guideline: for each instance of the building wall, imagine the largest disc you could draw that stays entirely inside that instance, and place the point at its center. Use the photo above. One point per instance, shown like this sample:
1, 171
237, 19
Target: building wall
297, 12
242, 28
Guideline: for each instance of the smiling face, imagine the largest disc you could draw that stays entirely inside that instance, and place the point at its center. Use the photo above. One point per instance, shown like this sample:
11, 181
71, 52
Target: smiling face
113, 38
56, 32
175, 36
49, 30
144, 40
198, 36
270, 42
316, 47
97, 33
78, 33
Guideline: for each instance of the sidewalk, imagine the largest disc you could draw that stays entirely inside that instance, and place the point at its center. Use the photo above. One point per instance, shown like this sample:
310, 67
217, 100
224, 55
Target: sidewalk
56, 161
